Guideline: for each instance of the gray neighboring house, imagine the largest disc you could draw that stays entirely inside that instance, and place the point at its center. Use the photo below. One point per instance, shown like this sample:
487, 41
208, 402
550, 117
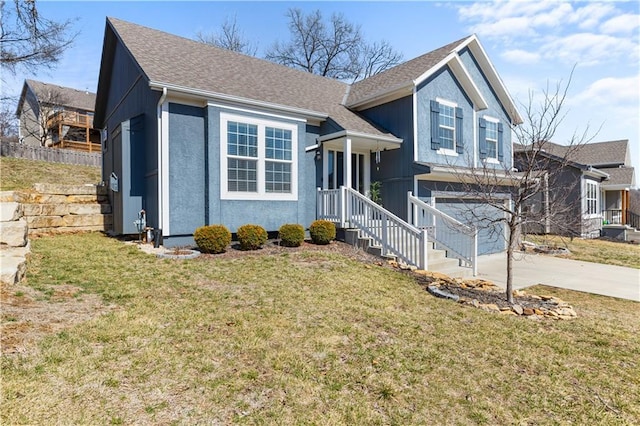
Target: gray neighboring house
600, 179
200, 135
53, 115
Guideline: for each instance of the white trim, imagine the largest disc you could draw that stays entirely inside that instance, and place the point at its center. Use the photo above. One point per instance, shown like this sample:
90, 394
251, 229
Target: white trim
447, 103
491, 160
261, 194
415, 124
312, 148
476, 136
347, 163
166, 230
253, 111
349, 133
447, 152
237, 99
494, 78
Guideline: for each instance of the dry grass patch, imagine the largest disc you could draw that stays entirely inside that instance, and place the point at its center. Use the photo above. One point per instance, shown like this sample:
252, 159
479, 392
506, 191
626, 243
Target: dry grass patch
594, 250
307, 337
20, 173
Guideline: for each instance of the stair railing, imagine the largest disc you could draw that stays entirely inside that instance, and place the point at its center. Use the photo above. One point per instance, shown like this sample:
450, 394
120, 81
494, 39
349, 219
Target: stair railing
396, 237
460, 240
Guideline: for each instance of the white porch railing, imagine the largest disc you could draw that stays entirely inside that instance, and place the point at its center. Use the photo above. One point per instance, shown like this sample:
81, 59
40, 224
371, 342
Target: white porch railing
460, 240
350, 209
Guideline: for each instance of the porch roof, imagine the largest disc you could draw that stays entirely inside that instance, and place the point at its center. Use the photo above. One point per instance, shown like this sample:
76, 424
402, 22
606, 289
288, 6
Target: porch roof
361, 141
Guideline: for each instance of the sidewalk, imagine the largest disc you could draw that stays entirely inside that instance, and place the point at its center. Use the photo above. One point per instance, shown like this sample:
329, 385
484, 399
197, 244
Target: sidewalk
532, 269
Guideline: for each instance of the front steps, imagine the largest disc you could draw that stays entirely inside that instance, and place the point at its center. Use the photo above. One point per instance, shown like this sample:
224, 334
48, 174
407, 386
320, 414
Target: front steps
437, 260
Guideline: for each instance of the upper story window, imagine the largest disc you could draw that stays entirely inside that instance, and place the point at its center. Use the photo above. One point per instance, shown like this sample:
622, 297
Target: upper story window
490, 139
446, 127
591, 197
258, 159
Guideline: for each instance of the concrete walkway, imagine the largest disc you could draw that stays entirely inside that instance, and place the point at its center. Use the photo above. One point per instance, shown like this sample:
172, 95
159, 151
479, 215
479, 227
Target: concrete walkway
608, 280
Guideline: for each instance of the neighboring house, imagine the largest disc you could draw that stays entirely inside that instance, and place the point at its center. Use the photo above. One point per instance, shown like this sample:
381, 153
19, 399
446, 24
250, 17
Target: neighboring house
57, 116
596, 178
201, 135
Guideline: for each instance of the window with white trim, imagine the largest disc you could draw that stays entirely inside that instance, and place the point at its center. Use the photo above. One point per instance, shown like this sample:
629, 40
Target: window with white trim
492, 139
447, 126
257, 159
591, 197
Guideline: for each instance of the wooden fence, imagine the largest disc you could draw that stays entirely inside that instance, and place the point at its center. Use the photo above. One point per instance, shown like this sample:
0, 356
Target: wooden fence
52, 155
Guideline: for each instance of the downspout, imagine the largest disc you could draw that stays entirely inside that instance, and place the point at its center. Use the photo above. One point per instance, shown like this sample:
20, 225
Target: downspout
163, 97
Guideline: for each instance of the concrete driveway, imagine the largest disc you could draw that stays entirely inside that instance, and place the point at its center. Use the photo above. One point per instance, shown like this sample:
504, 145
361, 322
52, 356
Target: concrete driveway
608, 280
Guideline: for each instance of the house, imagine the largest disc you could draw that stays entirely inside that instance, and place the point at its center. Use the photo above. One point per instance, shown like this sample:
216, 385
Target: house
200, 135
57, 116
596, 178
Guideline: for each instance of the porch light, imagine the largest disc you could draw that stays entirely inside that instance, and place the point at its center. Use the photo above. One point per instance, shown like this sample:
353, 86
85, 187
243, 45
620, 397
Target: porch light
318, 155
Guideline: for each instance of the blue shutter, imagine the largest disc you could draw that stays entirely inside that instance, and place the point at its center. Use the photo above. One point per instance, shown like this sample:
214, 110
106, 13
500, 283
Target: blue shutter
459, 136
435, 125
500, 147
482, 138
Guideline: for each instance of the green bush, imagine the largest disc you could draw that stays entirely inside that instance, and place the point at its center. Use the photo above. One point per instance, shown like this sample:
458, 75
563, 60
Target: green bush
291, 235
322, 232
251, 237
212, 238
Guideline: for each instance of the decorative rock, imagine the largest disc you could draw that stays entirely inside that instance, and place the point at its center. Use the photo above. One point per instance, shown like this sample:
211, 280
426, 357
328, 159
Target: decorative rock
569, 312
10, 211
533, 296
545, 298
7, 197
52, 188
491, 307
517, 309
538, 311
12, 270
527, 311
89, 209
14, 234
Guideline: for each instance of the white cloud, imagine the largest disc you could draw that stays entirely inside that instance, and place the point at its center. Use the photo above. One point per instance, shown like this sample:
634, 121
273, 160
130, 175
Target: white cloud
621, 24
589, 17
611, 91
519, 56
588, 48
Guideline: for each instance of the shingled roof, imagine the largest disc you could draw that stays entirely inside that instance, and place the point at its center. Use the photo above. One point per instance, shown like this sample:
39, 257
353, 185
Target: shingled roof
66, 96
180, 62
619, 176
404, 73
602, 153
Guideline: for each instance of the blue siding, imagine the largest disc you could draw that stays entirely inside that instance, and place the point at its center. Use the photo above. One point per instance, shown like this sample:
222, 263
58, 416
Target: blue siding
269, 214
395, 170
495, 109
186, 168
130, 96
443, 85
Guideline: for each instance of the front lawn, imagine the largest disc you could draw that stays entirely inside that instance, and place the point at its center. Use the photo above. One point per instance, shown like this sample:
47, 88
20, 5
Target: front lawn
299, 337
594, 250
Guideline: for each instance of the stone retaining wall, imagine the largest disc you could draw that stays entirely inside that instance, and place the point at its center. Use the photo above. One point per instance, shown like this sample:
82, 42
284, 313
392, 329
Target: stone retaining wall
51, 208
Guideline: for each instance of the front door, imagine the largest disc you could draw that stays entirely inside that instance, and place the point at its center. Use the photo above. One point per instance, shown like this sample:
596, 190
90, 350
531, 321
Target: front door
334, 173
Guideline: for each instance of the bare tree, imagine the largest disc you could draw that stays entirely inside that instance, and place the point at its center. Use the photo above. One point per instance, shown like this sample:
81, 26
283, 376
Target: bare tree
8, 123
230, 37
333, 49
539, 193
37, 119
28, 39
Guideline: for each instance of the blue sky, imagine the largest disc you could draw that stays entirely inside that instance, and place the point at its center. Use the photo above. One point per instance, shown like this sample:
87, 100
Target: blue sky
531, 44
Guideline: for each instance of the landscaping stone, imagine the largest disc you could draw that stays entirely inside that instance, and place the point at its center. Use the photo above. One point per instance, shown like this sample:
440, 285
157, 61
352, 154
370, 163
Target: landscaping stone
12, 269
7, 196
14, 234
527, 311
10, 211
518, 309
52, 188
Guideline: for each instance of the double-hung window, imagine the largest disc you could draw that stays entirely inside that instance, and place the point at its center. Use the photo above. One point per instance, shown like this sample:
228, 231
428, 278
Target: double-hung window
258, 159
447, 126
591, 198
492, 139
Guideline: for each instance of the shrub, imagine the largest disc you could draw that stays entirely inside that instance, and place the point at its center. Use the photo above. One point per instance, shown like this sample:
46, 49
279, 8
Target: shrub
322, 232
291, 235
212, 238
251, 237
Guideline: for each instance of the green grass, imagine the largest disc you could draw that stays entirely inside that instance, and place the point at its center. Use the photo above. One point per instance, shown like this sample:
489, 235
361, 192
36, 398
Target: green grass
593, 250
19, 173
307, 338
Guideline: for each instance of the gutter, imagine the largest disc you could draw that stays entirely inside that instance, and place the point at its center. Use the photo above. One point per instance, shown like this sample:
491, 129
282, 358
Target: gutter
238, 100
161, 182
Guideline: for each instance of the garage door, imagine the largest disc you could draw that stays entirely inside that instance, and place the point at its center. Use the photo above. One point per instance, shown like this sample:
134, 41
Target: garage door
491, 235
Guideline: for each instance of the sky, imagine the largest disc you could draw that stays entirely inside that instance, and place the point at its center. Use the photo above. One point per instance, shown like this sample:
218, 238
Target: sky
532, 45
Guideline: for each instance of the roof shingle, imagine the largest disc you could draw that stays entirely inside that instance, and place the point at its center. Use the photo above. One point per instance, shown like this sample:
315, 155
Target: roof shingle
68, 97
